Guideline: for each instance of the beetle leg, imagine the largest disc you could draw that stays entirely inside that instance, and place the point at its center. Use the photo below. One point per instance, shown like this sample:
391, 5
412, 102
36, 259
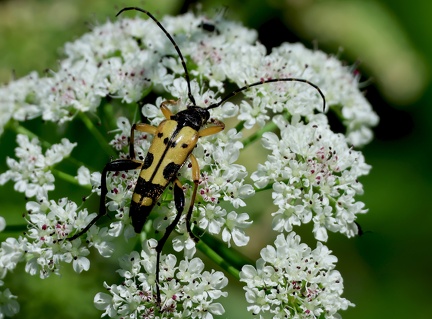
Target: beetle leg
118, 165
165, 110
195, 177
218, 126
179, 198
179, 203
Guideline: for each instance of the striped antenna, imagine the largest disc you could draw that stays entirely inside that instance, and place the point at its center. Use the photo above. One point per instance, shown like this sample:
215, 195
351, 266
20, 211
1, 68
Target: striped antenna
235, 92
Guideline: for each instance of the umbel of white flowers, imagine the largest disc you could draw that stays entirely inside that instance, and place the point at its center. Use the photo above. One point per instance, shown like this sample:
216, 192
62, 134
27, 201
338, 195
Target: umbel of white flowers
312, 172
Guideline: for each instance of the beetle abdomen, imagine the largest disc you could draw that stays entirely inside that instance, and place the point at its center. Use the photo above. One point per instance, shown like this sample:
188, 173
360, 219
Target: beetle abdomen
144, 198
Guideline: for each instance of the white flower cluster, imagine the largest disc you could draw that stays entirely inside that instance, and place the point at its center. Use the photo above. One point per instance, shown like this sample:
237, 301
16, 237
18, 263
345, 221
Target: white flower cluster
31, 174
124, 58
314, 175
313, 172
187, 290
45, 245
292, 281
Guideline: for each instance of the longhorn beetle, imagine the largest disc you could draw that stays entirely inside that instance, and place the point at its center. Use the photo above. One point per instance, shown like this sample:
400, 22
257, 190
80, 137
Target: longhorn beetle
173, 143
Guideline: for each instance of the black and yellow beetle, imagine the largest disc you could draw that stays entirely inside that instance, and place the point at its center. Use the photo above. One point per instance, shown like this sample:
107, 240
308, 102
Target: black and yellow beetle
173, 143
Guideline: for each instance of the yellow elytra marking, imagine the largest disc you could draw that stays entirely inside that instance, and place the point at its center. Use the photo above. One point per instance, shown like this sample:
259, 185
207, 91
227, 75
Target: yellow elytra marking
147, 201
136, 197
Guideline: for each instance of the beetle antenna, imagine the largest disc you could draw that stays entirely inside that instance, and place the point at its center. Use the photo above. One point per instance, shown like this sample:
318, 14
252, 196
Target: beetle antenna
235, 92
172, 41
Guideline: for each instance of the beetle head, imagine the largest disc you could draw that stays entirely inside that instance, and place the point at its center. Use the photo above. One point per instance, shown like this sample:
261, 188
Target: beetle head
194, 117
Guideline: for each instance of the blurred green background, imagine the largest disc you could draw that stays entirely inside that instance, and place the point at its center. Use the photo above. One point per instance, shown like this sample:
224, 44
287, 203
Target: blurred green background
390, 41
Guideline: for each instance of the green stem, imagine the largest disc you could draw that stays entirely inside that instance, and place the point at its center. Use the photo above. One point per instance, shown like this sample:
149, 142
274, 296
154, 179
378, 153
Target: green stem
240, 126
270, 127
98, 135
68, 178
22, 130
227, 258
217, 259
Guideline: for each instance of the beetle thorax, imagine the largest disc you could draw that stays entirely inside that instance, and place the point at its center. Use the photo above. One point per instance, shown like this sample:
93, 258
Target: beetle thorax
194, 117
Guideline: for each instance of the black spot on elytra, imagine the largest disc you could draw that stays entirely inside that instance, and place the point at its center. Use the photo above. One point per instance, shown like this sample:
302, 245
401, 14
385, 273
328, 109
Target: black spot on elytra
148, 160
166, 140
184, 145
148, 189
160, 134
170, 171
